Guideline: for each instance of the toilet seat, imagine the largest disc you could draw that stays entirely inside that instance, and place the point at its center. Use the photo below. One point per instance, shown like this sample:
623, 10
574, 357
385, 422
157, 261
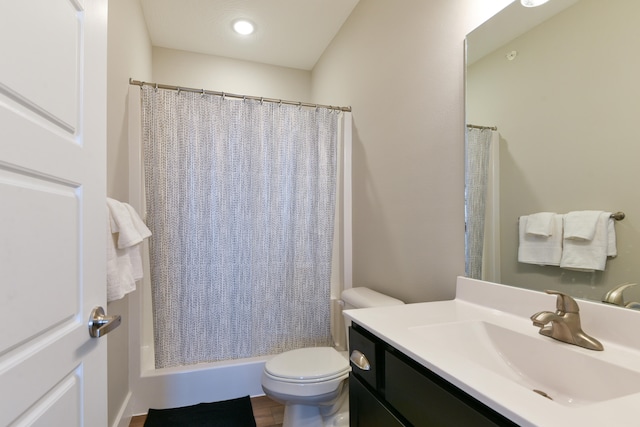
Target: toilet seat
307, 365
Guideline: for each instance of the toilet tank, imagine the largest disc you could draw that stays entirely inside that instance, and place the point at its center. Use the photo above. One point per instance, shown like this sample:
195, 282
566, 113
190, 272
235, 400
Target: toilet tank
362, 297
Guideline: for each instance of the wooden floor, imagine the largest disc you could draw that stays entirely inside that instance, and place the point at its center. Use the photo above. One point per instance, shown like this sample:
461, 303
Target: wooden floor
266, 412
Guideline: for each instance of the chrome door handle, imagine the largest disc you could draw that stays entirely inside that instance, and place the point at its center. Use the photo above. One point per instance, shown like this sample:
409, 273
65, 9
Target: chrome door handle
100, 325
360, 360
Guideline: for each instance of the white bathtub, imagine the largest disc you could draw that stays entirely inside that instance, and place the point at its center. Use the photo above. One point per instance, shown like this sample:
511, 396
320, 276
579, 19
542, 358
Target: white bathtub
184, 385
189, 385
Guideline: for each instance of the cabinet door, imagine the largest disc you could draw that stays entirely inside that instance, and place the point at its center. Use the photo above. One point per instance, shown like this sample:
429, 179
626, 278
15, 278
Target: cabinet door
365, 410
426, 400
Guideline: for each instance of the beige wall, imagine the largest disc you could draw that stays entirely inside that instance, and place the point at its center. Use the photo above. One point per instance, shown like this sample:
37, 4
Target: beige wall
566, 110
129, 55
400, 65
195, 70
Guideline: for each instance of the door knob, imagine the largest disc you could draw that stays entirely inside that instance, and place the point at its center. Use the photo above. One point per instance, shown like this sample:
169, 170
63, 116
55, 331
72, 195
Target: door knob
100, 325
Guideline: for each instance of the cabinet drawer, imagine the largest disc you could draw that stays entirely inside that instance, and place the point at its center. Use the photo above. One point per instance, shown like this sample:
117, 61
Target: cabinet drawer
362, 341
425, 399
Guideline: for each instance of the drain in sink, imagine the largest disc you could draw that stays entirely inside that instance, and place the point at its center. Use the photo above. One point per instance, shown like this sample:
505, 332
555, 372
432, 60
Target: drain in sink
543, 394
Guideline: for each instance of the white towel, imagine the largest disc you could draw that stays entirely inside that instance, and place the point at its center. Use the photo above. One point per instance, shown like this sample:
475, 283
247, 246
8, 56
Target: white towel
126, 231
120, 280
540, 224
126, 222
584, 254
581, 225
540, 250
612, 246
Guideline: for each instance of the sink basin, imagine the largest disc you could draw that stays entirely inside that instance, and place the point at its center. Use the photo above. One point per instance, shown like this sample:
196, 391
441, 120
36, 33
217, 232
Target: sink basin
558, 371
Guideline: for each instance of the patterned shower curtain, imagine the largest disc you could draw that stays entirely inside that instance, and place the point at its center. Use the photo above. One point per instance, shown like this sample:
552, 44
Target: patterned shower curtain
478, 151
240, 198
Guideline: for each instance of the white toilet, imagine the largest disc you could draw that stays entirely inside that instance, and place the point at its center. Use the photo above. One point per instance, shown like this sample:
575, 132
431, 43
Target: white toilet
312, 382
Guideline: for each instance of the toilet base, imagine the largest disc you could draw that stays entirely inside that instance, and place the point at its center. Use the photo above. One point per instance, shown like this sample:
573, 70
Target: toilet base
335, 415
302, 415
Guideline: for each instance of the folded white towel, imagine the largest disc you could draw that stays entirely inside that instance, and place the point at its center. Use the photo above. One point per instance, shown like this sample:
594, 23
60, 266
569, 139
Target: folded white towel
124, 261
581, 225
540, 250
540, 224
588, 254
126, 222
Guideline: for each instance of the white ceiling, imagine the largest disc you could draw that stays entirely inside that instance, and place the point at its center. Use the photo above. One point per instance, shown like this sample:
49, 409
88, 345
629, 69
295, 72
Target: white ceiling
511, 22
289, 33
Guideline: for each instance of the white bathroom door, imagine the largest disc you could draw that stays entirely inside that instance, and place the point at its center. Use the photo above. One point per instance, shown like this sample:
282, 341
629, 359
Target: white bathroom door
52, 212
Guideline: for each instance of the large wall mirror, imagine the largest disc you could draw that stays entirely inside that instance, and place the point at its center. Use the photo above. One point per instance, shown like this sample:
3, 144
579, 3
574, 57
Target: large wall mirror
561, 82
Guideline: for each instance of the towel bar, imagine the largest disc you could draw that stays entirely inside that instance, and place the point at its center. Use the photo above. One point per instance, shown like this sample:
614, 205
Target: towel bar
618, 216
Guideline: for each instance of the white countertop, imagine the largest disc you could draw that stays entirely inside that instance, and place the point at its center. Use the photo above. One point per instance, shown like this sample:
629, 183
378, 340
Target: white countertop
409, 329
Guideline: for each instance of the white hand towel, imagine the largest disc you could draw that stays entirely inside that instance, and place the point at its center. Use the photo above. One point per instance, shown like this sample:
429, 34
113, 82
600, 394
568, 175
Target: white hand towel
135, 251
612, 249
540, 224
126, 231
588, 255
126, 222
581, 225
540, 250
120, 280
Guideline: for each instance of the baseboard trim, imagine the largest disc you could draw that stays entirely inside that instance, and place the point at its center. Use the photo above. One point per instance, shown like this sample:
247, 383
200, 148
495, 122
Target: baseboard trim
123, 419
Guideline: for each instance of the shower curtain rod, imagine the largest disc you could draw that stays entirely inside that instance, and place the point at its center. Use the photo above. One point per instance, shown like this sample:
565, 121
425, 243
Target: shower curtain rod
483, 127
233, 95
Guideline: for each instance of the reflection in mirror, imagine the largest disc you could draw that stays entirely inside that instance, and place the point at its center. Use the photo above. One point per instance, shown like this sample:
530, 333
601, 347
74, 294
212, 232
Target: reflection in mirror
564, 94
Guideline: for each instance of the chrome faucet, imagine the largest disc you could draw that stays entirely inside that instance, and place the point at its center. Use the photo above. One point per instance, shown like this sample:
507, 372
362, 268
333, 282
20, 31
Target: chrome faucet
564, 324
614, 296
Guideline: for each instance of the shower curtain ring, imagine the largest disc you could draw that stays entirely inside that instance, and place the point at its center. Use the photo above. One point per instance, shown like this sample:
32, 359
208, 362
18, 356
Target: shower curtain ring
178, 89
261, 101
223, 96
202, 94
299, 105
156, 89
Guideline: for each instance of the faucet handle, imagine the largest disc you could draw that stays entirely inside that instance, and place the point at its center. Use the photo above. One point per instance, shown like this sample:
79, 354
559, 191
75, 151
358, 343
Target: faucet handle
564, 302
614, 296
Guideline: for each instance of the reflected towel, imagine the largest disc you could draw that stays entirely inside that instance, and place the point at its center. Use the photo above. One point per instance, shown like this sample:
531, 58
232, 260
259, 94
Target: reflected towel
589, 255
581, 225
612, 246
540, 250
540, 224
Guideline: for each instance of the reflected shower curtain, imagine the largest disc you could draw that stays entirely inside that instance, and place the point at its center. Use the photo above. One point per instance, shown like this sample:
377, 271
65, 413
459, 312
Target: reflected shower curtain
240, 199
478, 152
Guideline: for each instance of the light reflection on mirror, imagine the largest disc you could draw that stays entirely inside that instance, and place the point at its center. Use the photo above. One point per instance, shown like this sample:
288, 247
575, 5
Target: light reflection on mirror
565, 97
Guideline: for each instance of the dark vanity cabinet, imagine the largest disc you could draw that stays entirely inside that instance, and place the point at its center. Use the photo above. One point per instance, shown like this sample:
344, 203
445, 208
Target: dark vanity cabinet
397, 391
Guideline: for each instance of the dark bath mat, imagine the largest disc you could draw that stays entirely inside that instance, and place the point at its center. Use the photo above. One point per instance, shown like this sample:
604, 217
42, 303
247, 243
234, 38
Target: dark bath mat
229, 413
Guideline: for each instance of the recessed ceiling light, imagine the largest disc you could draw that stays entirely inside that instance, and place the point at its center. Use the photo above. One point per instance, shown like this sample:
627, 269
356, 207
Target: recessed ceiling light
533, 3
244, 27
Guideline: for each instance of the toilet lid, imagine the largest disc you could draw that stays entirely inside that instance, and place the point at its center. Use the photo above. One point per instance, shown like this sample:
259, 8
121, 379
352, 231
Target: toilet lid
312, 363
